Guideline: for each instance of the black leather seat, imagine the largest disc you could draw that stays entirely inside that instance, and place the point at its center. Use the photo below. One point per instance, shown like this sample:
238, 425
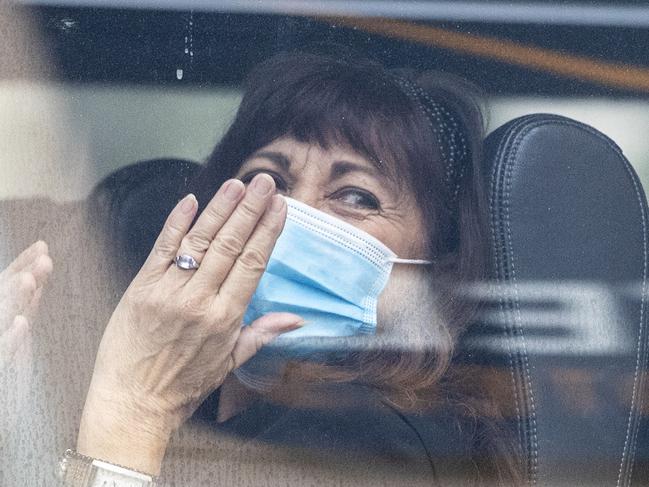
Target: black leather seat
566, 315
134, 202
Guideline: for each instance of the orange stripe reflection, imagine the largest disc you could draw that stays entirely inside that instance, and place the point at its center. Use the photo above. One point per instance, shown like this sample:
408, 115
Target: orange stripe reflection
582, 68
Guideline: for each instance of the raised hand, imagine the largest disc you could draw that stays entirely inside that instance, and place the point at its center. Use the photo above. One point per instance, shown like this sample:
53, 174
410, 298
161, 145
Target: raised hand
176, 333
21, 287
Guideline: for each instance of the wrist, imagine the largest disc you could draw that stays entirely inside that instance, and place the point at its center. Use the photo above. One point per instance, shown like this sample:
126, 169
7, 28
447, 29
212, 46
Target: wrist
118, 434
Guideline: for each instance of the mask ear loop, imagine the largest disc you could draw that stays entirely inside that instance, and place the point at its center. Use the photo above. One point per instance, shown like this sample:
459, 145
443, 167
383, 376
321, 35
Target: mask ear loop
397, 260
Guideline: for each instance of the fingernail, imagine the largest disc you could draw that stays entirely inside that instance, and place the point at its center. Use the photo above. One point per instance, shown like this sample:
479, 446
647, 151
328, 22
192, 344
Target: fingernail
262, 184
298, 324
188, 203
277, 204
233, 189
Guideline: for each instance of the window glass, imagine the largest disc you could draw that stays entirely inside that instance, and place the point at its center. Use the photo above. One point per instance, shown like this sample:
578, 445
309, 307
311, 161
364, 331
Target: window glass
461, 289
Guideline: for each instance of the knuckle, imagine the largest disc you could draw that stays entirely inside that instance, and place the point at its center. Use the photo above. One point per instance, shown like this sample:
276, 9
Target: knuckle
192, 307
271, 226
218, 318
222, 318
149, 309
172, 230
168, 311
260, 340
195, 241
248, 210
225, 313
26, 282
171, 233
164, 248
253, 259
229, 245
167, 243
44, 262
142, 301
216, 213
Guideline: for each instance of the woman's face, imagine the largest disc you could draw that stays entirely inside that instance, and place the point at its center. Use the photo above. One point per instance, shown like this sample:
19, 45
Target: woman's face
346, 185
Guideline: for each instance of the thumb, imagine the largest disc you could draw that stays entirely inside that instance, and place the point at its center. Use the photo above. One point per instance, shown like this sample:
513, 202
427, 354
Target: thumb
261, 332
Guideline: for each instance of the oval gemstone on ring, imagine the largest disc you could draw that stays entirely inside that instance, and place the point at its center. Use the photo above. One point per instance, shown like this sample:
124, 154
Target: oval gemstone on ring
186, 262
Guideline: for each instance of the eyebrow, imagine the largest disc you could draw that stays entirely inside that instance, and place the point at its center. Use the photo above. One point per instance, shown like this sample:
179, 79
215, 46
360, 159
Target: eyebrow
338, 168
277, 157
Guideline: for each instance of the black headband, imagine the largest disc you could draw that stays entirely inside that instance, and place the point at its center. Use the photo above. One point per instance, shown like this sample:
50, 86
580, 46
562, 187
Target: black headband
448, 132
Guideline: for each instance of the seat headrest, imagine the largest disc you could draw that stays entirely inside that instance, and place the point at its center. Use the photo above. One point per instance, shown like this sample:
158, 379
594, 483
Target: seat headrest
135, 200
567, 221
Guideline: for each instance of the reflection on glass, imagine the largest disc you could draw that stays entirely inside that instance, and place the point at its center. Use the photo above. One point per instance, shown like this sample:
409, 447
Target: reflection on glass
374, 349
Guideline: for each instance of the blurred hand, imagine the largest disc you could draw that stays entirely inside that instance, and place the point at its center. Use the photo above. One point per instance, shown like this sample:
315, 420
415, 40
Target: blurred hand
21, 287
176, 333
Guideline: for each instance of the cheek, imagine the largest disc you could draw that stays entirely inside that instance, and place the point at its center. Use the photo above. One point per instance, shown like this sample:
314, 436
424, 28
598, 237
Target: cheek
406, 238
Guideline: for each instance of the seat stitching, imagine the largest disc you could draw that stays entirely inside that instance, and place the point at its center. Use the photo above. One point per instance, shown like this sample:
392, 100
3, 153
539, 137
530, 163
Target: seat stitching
518, 318
498, 257
638, 375
500, 299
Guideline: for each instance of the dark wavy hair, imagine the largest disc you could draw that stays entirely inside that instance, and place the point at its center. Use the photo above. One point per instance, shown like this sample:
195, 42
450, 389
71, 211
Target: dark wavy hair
379, 113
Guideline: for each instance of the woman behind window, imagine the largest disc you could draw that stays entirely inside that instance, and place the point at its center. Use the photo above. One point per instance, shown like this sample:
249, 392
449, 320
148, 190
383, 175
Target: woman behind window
351, 316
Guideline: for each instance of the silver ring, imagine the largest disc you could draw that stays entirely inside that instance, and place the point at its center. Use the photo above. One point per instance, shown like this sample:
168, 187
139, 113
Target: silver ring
186, 262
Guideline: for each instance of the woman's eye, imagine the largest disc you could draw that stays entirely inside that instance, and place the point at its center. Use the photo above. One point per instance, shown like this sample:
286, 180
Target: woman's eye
358, 198
280, 183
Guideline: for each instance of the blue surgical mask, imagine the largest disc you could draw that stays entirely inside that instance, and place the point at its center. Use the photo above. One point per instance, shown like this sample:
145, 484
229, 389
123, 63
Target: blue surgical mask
327, 271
